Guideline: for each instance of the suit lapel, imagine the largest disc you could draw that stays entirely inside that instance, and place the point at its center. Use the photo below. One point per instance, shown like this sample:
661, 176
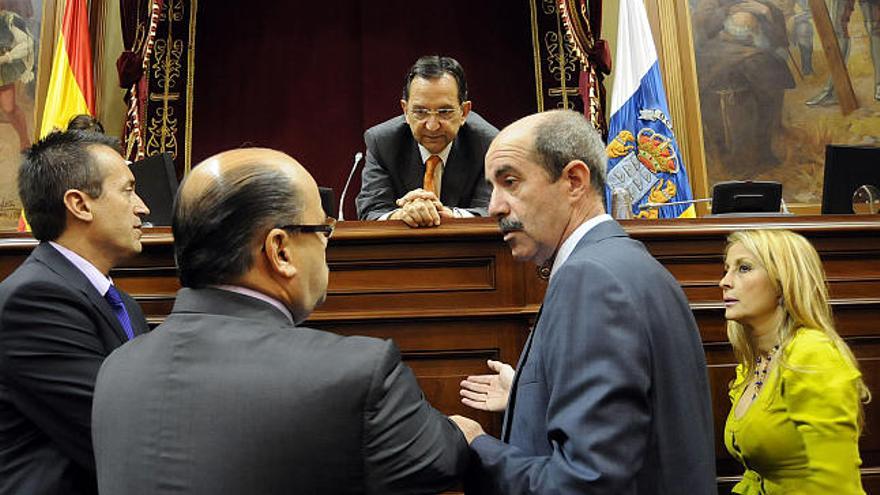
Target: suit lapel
461, 169
413, 170
601, 231
454, 177
107, 313
56, 262
511, 402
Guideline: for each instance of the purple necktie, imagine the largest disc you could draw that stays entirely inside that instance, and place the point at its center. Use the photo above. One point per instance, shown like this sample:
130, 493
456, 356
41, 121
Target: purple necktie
112, 296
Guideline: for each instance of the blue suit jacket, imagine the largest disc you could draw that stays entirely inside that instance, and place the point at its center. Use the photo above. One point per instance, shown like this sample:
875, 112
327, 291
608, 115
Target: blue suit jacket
611, 394
394, 167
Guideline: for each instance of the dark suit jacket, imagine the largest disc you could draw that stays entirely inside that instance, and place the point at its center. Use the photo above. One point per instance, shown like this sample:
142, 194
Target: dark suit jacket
228, 397
611, 395
394, 167
55, 330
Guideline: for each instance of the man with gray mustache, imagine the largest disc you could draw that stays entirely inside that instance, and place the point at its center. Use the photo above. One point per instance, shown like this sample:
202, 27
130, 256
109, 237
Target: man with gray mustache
610, 395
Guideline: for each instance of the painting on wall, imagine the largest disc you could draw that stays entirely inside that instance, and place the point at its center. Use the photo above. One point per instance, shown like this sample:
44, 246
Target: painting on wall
767, 104
19, 42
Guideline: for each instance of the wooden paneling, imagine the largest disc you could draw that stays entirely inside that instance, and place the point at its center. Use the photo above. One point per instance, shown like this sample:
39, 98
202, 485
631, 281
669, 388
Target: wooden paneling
452, 297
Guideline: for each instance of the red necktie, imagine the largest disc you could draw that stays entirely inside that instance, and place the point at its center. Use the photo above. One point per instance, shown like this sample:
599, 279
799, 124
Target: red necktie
431, 167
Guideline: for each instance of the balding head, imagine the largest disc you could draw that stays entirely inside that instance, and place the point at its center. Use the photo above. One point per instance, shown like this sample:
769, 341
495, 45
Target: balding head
557, 138
227, 204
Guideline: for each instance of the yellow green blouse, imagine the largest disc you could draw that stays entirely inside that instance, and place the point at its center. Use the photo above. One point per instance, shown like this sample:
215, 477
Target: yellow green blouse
800, 436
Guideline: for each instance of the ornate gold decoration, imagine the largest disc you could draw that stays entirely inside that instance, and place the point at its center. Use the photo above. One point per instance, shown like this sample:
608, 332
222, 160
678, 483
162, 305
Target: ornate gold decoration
561, 58
166, 70
166, 65
163, 131
556, 58
536, 57
144, 42
174, 10
190, 77
578, 34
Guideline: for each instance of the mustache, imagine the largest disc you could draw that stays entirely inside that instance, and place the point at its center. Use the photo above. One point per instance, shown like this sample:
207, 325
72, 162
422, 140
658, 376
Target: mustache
510, 225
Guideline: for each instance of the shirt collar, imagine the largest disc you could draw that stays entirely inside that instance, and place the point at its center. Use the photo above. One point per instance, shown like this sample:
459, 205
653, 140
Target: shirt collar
257, 295
443, 154
101, 282
569, 244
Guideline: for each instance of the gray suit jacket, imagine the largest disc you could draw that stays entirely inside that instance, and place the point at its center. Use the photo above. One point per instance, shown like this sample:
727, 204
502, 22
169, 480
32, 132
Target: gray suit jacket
55, 331
394, 167
611, 394
228, 397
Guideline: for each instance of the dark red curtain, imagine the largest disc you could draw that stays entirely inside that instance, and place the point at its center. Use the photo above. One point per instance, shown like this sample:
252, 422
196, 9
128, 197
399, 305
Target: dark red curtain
310, 78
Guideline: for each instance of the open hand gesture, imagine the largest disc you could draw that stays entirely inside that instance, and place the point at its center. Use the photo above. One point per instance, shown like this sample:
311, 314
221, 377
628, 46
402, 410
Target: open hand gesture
488, 392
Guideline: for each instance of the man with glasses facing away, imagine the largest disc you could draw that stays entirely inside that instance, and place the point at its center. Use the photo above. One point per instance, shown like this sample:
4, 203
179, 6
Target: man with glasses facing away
230, 395
427, 164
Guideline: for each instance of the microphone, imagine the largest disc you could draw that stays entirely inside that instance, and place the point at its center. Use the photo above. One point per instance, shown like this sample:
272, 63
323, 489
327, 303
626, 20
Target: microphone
357, 159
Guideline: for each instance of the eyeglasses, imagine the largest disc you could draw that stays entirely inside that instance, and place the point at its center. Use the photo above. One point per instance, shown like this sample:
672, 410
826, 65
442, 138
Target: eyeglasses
422, 114
326, 228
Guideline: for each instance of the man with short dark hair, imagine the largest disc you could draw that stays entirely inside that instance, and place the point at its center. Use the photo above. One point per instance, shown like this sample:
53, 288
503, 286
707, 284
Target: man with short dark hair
85, 122
427, 164
229, 395
60, 315
610, 395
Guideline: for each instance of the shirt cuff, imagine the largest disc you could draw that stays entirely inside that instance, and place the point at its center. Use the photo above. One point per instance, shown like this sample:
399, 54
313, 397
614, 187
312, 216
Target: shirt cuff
462, 213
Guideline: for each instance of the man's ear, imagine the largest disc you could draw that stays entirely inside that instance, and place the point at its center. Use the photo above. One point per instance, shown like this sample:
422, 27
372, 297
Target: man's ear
403, 106
78, 204
578, 177
465, 109
279, 253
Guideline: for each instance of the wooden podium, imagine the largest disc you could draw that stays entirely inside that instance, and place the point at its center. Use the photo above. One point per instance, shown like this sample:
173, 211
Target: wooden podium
452, 297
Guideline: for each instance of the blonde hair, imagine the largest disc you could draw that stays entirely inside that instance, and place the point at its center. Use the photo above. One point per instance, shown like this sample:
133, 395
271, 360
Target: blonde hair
796, 271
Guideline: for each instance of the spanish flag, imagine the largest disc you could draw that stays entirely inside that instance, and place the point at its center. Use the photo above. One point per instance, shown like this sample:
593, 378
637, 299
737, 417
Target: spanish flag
71, 83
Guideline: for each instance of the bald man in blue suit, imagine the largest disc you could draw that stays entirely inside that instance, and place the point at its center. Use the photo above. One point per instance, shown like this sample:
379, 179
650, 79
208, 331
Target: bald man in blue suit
611, 394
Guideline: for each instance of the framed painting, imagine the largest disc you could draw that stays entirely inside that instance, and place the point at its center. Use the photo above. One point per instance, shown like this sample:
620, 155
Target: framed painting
753, 83
20, 23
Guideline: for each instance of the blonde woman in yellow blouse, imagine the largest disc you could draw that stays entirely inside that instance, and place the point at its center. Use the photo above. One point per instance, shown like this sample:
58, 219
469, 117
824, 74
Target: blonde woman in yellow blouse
796, 399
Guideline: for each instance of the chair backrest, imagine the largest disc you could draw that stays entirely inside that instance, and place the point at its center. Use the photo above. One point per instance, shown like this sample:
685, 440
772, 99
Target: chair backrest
328, 201
847, 168
156, 183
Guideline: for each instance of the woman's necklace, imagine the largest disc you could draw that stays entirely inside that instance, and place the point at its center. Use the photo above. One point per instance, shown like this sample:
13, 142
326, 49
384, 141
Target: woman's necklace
762, 365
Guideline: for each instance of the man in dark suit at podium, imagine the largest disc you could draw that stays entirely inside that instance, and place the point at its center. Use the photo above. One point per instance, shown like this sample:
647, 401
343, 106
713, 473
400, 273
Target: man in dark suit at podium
427, 164
60, 314
230, 395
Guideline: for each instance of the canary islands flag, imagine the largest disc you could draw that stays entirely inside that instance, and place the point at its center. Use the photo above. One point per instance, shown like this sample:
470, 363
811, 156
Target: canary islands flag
71, 83
643, 157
